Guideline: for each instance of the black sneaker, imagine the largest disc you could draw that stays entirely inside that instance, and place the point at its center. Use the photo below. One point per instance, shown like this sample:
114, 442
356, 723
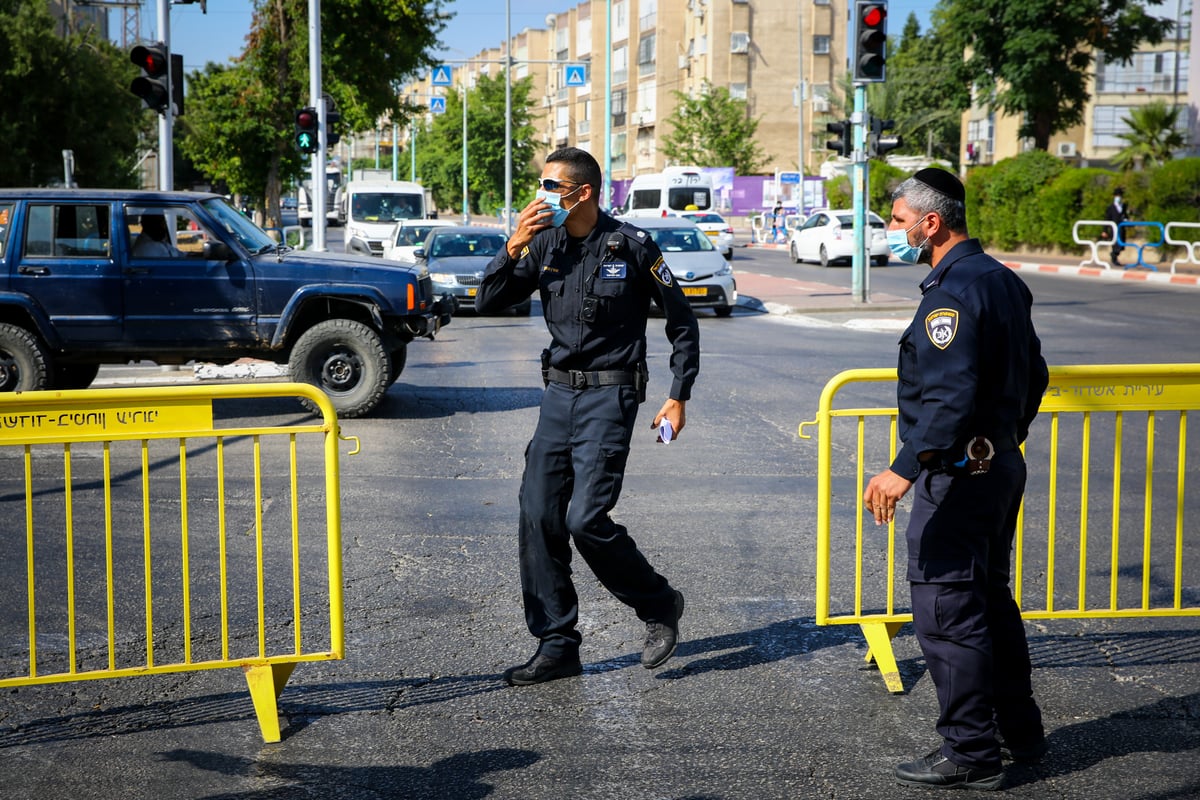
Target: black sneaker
662, 638
542, 668
938, 772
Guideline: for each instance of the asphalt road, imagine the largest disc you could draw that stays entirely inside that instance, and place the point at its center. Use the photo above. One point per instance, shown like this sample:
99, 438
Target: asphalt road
759, 702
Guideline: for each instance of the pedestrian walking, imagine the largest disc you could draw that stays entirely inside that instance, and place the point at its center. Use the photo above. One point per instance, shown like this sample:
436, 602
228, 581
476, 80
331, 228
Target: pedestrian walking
596, 277
1116, 213
971, 377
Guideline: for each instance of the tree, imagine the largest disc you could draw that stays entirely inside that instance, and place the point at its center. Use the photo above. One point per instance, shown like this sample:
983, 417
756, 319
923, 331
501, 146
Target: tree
368, 47
1033, 58
713, 129
928, 91
64, 93
439, 148
1153, 136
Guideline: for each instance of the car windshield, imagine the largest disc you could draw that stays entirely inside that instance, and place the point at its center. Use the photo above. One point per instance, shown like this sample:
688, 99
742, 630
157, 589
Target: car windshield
680, 240
451, 245
412, 235
238, 225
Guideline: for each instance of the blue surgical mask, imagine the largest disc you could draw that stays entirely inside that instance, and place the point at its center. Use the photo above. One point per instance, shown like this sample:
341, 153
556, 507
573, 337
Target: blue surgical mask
898, 243
554, 200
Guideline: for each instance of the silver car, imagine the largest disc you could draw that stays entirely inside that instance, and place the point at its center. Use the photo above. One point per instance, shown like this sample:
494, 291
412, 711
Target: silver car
456, 257
704, 275
716, 228
828, 236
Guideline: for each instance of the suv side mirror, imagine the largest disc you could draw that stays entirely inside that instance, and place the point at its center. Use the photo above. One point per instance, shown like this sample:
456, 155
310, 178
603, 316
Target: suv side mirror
217, 251
419, 254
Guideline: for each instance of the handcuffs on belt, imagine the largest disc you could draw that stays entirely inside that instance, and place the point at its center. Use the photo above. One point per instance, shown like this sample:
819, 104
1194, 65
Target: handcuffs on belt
978, 457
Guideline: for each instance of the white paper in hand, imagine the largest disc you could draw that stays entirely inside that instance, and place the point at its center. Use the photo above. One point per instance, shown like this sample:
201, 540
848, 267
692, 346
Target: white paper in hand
665, 432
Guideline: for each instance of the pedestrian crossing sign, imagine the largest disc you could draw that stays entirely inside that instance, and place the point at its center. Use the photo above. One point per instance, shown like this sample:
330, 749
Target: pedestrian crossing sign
575, 75
441, 76
437, 105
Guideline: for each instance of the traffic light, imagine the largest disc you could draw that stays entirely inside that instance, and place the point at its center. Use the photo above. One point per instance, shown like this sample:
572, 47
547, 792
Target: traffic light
870, 37
332, 118
177, 83
842, 145
879, 145
307, 135
154, 84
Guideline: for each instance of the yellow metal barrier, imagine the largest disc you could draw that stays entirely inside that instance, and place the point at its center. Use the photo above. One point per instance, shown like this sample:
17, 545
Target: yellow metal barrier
156, 539
1071, 501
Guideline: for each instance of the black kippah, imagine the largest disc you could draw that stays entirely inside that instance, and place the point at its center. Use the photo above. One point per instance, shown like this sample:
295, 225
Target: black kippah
942, 181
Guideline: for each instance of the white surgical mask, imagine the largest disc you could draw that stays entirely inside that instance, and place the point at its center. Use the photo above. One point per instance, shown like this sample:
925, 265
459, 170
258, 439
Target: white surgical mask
898, 243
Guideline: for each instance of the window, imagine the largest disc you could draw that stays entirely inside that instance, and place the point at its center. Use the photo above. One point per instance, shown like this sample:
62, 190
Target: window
820, 45
618, 107
5, 216
646, 55
1147, 72
739, 42
619, 157
620, 64
737, 91
165, 232
620, 20
67, 231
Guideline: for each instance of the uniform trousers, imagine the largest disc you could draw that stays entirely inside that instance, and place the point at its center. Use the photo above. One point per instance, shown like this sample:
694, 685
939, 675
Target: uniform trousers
574, 468
960, 539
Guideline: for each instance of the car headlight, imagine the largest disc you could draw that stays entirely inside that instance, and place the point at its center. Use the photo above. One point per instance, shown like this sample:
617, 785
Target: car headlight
442, 277
723, 271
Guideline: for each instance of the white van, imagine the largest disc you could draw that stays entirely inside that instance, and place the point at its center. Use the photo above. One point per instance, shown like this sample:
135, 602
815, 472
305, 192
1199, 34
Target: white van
672, 191
370, 210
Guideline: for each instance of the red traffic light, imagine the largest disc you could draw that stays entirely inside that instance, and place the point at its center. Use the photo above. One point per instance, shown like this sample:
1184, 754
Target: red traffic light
152, 59
873, 16
306, 119
870, 37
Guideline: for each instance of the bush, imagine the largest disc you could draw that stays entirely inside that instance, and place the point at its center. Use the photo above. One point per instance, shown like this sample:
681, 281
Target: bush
1074, 195
1002, 208
884, 180
1173, 195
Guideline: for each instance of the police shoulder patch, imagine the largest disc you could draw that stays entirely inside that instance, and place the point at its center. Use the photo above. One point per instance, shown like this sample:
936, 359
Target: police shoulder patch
940, 326
662, 272
524, 252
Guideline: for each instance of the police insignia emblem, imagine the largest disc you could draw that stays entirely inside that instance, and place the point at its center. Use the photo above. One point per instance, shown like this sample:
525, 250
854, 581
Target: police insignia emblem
662, 272
940, 326
524, 251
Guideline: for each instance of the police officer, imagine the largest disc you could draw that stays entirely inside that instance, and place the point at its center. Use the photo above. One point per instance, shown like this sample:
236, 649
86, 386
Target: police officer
596, 277
971, 377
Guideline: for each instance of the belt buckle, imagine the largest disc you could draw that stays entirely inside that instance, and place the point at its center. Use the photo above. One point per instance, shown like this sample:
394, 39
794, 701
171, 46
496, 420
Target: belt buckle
578, 379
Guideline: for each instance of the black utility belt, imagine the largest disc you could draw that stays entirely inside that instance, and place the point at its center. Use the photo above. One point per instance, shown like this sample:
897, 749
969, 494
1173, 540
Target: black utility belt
585, 379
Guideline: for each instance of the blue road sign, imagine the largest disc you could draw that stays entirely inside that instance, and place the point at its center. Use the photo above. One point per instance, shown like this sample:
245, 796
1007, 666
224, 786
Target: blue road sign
437, 105
441, 76
575, 75
789, 177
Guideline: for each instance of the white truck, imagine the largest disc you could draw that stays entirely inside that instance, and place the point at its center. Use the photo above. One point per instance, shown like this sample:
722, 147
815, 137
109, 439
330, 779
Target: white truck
370, 209
675, 190
304, 205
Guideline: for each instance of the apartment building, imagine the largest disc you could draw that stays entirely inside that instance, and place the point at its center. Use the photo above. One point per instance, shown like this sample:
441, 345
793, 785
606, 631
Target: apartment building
1163, 72
783, 59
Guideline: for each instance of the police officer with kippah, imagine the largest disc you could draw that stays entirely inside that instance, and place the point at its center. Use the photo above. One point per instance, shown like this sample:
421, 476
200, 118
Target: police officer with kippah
596, 277
971, 377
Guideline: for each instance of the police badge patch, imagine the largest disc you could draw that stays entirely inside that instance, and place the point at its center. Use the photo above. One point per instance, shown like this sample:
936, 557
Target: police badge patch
940, 326
662, 272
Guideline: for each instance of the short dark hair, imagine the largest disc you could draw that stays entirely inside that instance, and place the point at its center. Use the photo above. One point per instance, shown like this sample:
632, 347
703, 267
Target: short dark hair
580, 165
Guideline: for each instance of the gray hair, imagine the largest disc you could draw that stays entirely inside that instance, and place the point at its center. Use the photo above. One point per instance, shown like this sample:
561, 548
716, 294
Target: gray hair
924, 199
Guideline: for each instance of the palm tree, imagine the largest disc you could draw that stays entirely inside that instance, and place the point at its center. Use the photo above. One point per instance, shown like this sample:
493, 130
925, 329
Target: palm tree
1152, 136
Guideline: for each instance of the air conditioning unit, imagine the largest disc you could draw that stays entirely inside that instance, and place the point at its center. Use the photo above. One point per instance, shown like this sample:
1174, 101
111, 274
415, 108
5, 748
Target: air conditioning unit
1066, 149
820, 105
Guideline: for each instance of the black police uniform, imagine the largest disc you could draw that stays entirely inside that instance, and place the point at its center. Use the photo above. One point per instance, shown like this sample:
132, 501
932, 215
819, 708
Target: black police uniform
970, 365
596, 294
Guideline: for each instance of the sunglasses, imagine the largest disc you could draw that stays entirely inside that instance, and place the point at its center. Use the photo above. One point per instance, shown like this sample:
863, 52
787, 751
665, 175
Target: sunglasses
551, 185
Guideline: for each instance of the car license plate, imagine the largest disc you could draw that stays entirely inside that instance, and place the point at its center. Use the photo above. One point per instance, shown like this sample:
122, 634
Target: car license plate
695, 291
471, 292
711, 234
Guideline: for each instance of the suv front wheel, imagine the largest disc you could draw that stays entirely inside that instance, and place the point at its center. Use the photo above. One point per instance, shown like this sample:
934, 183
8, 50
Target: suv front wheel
346, 360
24, 365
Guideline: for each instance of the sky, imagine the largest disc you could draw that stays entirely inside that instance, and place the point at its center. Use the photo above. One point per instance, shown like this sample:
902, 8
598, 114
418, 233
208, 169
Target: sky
476, 25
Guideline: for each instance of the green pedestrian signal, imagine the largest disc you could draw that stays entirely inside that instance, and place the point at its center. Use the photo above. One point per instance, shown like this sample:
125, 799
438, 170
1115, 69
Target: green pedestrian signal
307, 134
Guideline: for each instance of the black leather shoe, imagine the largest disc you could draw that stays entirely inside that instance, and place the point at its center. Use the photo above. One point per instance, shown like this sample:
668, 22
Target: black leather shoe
542, 668
1022, 750
938, 772
662, 638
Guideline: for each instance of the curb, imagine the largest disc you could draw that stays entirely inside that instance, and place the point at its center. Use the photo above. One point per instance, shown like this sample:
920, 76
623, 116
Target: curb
1131, 274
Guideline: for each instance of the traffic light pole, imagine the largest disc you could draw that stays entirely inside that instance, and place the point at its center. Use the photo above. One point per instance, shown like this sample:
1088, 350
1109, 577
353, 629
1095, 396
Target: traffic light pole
318, 194
859, 276
166, 153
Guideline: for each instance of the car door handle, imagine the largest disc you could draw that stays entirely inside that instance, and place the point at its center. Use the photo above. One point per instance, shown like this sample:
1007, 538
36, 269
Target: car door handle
137, 270
33, 270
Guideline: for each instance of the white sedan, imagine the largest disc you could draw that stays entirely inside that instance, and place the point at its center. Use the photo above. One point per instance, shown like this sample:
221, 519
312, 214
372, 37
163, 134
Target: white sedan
715, 228
828, 236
